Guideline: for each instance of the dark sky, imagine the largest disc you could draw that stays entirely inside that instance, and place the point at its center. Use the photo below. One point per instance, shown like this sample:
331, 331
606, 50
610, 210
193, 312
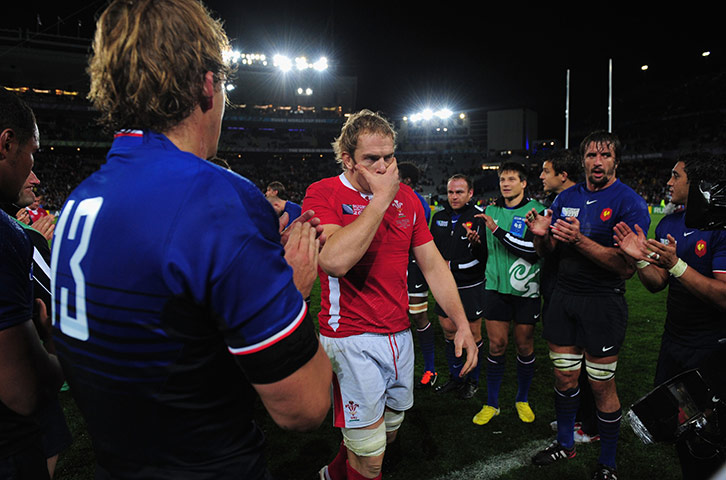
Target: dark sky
470, 56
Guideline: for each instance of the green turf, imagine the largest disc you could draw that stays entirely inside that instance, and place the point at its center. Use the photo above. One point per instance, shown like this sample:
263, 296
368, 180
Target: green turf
438, 438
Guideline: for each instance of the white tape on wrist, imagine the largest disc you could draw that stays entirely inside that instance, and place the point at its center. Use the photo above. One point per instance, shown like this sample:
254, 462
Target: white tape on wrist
678, 269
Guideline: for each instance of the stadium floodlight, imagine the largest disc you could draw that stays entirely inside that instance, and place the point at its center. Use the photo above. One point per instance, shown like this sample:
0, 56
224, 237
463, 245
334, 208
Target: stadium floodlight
444, 113
644, 67
427, 114
301, 63
282, 62
321, 64
231, 56
706, 53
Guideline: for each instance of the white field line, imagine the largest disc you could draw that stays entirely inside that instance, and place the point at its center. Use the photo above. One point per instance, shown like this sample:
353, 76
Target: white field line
494, 467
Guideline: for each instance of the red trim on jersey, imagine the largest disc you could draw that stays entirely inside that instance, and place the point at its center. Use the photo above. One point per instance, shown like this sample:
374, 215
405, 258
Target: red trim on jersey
394, 352
282, 334
129, 133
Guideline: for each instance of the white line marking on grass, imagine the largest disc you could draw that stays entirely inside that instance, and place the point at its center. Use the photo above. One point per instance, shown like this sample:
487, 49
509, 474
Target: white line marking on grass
494, 467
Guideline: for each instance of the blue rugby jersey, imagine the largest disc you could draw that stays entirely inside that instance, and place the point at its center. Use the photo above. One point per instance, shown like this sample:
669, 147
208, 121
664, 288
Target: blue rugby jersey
167, 269
598, 212
689, 320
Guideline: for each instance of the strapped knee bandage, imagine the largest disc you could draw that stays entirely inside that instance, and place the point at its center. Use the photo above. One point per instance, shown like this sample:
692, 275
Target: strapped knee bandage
414, 308
393, 420
566, 362
365, 442
600, 371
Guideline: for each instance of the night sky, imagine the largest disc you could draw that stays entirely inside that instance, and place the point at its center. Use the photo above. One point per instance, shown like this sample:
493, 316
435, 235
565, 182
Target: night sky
471, 57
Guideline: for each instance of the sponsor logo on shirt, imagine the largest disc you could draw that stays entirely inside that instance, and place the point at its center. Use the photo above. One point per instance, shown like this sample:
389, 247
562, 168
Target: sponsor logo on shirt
701, 248
349, 209
442, 223
570, 212
606, 214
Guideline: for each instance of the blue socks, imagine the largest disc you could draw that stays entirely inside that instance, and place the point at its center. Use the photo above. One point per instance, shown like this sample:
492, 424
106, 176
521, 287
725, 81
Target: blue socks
566, 404
455, 363
525, 373
495, 373
608, 425
425, 338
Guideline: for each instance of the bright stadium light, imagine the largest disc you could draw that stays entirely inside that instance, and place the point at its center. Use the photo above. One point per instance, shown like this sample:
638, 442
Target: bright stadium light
321, 64
301, 63
706, 54
282, 62
427, 114
644, 67
444, 113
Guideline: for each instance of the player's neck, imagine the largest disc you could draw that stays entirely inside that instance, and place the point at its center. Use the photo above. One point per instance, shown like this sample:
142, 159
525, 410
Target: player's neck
597, 188
513, 202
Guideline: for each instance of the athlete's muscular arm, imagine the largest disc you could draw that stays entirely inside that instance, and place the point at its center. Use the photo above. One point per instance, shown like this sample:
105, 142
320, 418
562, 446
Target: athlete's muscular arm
443, 287
609, 258
27, 372
635, 246
345, 246
300, 401
711, 290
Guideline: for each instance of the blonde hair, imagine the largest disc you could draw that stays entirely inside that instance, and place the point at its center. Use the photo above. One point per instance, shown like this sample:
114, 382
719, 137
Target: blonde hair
149, 60
359, 123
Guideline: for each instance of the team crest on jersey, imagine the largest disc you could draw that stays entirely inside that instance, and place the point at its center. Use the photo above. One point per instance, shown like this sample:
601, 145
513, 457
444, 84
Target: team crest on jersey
349, 209
570, 212
701, 248
352, 409
606, 214
467, 225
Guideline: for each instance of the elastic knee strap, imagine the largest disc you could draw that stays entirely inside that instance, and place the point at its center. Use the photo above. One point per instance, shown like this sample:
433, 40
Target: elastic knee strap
566, 362
392, 420
365, 442
414, 308
600, 372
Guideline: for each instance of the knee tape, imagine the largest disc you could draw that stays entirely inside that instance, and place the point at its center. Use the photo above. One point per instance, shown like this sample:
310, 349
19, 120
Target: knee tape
414, 308
566, 362
393, 420
600, 371
365, 442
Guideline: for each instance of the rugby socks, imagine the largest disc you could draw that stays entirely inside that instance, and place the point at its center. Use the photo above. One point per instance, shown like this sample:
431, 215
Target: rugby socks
455, 363
495, 373
338, 467
608, 425
525, 373
566, 404
354, 475
425, 338
476, 371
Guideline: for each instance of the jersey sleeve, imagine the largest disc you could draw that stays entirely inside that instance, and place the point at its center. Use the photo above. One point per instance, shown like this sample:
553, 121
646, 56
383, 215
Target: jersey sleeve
719, 253
636, 213
238, 268
317, 199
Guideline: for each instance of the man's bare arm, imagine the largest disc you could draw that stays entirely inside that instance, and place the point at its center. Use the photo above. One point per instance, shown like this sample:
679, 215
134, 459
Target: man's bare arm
345, 246
609, 258
300, 401
28, 372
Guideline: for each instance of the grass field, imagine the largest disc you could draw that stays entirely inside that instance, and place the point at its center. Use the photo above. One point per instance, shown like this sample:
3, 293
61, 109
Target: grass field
438, 439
